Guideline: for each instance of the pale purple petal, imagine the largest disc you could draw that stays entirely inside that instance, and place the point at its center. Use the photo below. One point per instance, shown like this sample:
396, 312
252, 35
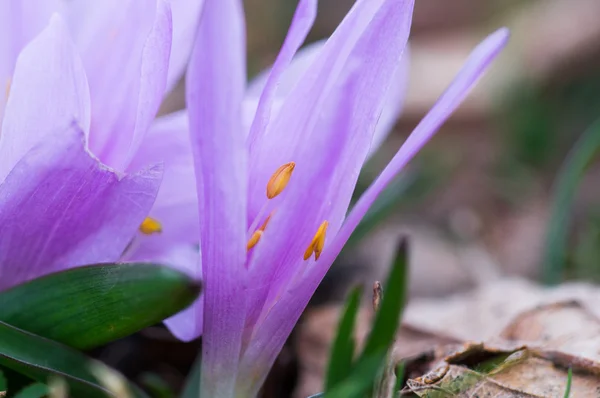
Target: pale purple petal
49, 91
153, 80
60, 208
186, 325
306, 56
301, 24
275, 329
186, 14
125, 47
394, 103
321, 190
292, 74
20, 22
298, 116
176, 207
215, 89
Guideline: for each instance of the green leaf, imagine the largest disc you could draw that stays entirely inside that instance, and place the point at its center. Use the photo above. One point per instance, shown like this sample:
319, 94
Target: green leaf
42, 359
89, 306
191, 389
3, 384
381, 339
388, 316
156, 386
361, 379
342, 352
565, 188
36, 390
400, 370
569, 379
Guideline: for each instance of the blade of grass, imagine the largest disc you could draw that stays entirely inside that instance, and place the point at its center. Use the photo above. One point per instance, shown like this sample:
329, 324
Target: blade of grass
568, 387
389, 314
342, 352
565, 188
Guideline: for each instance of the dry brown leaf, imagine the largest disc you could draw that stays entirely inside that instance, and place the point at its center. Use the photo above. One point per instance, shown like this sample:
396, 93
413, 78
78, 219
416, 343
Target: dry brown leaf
560, 328
523, 373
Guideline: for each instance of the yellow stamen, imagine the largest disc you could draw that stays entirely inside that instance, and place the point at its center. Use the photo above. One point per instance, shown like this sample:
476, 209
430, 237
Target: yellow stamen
258, 233
317, 243
150, 226
280, 179
254, 239
264, 225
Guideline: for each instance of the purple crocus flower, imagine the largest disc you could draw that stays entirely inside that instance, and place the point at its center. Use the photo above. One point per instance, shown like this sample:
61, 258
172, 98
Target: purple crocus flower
273, 202
84, 81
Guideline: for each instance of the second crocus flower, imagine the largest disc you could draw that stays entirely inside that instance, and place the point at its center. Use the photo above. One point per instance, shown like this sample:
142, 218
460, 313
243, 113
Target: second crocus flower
273, 201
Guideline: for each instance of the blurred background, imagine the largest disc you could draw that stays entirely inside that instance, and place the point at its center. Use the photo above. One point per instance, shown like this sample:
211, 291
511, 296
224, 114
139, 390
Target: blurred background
480, 201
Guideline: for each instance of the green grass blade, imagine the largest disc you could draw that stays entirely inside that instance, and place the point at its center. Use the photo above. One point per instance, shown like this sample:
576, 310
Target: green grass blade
36, 390
361, 379
565, 188
569, 379
388, 317
342, 352
191, 389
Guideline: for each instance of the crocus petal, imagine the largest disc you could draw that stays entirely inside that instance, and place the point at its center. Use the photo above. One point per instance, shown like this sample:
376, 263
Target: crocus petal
60, 208
186, 14
125, 49
281, 141
394, 99
152, 82
186, 325
215, 89
176, 206
49, 91
322, 189
394, 103
303, 20
20, 21
272, 333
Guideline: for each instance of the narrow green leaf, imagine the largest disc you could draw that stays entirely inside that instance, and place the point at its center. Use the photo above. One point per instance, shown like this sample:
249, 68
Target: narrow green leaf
89, 306
156, 386
342, 352
3, 384
569, 379
191, 389
388, 316
42, 359
36, 390
361, 379
565, 188
400, 369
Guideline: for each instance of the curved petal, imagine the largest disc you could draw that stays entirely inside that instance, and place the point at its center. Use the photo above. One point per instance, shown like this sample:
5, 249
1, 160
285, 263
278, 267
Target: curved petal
20, 22
394, 99
303, 20
394, 103
186, 325
60, 208
290, 130
215, 88
125, 48
49, 91
277, 325
331, 156
176, 206
186, 14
